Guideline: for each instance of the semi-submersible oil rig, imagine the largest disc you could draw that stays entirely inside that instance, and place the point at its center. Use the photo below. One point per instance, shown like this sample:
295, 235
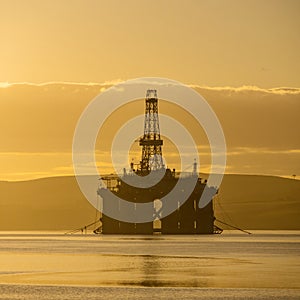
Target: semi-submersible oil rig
187, 217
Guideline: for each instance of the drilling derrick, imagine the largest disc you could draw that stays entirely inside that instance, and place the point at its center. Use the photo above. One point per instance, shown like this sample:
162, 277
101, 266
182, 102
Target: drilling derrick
151, 142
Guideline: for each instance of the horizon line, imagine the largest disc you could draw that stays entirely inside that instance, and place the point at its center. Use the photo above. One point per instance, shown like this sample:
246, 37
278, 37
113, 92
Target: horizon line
200, 173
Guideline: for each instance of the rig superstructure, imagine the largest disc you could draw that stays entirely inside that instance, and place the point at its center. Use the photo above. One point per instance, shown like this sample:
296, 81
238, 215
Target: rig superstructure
187, 218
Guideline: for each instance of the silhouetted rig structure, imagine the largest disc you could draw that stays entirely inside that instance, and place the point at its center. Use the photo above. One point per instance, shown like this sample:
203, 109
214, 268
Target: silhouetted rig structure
187, 218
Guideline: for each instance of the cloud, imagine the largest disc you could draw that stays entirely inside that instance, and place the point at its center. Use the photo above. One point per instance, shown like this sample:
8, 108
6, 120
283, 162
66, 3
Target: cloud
4, 84
247, 88
247, 150
34, 154
244, 88
60, 83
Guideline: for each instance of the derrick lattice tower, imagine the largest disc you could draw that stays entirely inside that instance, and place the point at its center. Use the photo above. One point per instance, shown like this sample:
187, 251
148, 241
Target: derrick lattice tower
151, 142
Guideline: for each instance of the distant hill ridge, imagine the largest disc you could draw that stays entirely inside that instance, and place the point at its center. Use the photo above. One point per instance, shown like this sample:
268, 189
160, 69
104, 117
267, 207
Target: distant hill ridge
56, 203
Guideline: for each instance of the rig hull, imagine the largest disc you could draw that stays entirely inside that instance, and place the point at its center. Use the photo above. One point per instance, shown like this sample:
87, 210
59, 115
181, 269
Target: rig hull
187, 218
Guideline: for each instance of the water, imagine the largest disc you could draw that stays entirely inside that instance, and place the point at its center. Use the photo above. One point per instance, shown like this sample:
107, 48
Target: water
264, 265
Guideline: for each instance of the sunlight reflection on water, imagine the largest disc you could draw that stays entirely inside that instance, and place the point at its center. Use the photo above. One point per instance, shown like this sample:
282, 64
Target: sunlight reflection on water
229, 261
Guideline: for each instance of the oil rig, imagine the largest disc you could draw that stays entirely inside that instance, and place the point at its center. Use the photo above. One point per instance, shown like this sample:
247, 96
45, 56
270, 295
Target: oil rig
186, 218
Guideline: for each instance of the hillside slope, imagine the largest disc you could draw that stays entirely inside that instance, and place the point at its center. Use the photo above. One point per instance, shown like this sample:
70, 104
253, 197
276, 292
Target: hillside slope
259, 202
250, 202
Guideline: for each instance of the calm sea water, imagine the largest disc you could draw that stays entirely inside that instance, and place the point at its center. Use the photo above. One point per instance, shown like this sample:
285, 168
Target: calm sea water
264, 265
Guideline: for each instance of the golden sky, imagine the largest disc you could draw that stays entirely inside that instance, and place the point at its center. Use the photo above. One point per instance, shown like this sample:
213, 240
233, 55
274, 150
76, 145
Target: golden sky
237, 54
214, 43
37, 122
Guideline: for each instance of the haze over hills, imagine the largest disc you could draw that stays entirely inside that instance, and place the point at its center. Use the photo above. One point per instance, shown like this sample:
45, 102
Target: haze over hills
246, 201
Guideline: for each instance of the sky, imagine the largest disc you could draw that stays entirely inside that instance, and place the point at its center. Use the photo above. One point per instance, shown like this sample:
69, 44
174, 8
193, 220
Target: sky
213, 43
242, 56
261, 129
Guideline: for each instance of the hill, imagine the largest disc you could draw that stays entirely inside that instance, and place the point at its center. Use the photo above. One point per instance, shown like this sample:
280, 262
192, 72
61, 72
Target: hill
56, 203
259, 202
